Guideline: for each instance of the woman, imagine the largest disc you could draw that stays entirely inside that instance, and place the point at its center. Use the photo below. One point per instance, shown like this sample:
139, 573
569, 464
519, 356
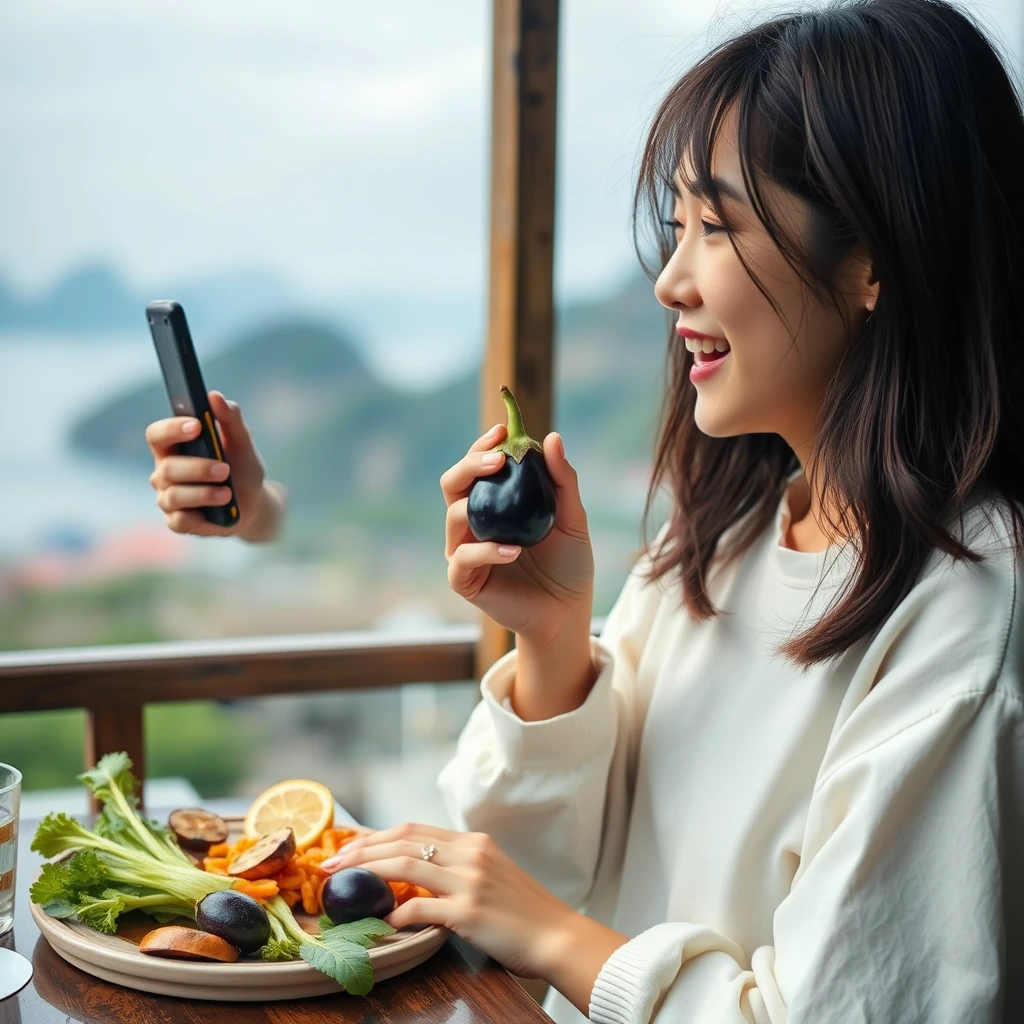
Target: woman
786, 782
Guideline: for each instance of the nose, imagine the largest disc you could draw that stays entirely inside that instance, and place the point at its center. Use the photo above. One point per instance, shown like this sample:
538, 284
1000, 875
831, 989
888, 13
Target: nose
674, 288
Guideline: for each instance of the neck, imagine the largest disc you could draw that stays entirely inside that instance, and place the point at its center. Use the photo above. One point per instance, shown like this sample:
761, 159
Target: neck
808, 526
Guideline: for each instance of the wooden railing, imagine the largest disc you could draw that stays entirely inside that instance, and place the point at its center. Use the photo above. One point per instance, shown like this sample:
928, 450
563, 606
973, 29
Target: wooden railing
113, 684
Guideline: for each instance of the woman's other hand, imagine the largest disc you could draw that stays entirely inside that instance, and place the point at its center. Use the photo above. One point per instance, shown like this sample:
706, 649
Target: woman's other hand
483, 896
536, 591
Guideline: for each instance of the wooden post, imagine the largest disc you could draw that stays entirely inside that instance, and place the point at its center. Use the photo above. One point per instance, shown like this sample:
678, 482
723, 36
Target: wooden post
111, 729
520, 322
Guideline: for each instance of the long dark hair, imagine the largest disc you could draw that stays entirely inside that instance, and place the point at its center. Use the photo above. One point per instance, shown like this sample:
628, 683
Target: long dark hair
897, 123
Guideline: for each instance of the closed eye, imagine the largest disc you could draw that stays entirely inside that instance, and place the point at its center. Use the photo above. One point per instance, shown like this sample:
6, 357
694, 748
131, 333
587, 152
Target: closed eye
709, 229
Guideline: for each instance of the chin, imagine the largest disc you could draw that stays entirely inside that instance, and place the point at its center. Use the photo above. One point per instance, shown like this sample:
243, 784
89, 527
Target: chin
714, 425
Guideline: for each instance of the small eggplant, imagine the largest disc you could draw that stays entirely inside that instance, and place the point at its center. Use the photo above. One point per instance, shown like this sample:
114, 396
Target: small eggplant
515, 505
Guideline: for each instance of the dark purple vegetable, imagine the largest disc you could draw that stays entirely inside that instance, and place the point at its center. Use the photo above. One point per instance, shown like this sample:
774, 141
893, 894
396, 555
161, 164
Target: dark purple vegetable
515, 505
354, 893
196, 829
236, 918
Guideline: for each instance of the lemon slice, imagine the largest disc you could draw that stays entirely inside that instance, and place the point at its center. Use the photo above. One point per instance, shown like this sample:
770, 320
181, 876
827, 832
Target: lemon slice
306, 807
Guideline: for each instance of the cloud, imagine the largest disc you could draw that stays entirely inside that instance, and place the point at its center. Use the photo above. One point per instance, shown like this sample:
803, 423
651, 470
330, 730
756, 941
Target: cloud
340, 145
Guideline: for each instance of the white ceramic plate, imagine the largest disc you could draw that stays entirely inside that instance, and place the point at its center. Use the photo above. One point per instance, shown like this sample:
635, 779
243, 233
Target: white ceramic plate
118, 960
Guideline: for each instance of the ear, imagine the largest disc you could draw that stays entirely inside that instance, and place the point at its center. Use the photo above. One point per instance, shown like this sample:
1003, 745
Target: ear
862, 282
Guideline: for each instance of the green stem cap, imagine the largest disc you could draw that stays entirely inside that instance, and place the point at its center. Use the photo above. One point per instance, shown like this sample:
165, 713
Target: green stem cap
518, 442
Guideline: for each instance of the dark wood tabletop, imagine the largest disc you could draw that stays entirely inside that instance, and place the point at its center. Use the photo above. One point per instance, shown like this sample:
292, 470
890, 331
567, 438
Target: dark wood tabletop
457, 984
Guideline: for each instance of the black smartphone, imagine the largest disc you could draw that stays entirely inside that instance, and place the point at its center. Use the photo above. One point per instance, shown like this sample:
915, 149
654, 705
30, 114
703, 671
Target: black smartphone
187, 393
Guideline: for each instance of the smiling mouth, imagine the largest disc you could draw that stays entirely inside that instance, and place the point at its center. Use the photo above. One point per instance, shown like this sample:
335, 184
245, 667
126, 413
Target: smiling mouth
709, 357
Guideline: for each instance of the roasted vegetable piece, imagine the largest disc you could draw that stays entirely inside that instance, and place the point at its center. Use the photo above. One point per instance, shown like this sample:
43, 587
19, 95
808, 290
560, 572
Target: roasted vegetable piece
177, 942
196, 829
268, 856
354, 893
236, 918
515, 505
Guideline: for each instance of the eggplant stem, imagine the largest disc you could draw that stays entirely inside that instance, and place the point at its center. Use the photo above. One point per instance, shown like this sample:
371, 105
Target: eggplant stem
518, 442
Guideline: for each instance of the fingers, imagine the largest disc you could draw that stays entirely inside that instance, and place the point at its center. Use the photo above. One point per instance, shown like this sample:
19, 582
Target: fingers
470, 562
187, 469
456, 527
421, 910
195, 524
190, 496
233, 429
478, 461
410, 832
163, 435
572, 517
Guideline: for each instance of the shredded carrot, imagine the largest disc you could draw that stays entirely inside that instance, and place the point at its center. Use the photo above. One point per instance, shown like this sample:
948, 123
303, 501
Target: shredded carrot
310, 904
291, 897
260, 889
301, 880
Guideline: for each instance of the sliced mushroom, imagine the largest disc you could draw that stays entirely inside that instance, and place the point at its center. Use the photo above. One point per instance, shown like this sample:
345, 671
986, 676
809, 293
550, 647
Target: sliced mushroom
196, 829
266, 858
177, 942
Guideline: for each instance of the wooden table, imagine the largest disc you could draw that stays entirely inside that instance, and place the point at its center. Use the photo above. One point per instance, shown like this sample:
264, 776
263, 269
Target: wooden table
457, 985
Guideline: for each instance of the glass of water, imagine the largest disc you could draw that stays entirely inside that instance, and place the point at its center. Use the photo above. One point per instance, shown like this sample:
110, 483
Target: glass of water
10, 794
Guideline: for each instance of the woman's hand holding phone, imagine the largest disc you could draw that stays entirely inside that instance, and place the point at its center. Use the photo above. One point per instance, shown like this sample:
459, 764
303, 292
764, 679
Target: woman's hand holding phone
185, 484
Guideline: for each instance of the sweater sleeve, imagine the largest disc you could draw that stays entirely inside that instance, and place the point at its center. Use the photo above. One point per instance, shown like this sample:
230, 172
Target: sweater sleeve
553, 793
895, 912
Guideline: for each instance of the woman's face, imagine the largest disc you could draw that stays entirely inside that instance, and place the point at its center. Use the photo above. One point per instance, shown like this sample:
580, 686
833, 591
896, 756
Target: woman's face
766, 382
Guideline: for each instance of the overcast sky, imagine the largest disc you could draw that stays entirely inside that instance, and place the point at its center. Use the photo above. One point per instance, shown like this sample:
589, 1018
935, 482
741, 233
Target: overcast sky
341, 145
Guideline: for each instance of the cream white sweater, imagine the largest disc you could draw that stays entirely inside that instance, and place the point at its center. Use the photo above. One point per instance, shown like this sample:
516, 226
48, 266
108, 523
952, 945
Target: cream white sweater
843, 844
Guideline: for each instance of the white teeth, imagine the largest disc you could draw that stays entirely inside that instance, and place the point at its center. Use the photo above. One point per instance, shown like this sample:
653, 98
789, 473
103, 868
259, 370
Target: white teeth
705, 345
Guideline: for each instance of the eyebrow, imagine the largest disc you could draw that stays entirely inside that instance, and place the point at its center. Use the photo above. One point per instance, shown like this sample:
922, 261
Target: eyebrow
720, 183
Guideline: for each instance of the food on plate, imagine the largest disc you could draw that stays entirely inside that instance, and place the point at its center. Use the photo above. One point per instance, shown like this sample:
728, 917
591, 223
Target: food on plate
516, 504
179, 943
128, 862
266, 858
196, 829
307, 808
236, 918
354, 893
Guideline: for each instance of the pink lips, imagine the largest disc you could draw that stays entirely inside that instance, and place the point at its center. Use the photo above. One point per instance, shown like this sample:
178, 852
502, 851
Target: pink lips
701, 371
687, 332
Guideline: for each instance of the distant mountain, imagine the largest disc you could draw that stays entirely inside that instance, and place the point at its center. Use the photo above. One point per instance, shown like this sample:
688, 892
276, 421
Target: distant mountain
348, 445
94, 298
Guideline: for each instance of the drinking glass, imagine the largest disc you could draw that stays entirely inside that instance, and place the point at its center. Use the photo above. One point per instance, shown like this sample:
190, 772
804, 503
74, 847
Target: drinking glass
10, 795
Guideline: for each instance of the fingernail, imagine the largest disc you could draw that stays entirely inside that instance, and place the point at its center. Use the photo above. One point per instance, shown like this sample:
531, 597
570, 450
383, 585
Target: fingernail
221, 494
507, 551
492, 458
192, 427
494, 429
219, 471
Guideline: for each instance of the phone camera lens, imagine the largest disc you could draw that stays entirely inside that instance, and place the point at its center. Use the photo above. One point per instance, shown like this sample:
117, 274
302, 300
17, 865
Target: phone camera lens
165, 319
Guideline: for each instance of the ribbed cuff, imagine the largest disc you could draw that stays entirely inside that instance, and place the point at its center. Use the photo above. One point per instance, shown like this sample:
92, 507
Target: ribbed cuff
557, 742
627, 988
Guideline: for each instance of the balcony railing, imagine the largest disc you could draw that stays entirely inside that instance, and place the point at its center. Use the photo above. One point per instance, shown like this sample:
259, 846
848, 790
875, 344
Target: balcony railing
114, 683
